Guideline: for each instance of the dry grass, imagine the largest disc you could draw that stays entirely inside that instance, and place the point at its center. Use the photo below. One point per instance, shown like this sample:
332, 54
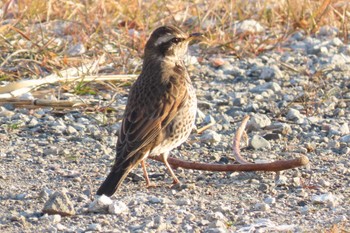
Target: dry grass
35, 35
337, 228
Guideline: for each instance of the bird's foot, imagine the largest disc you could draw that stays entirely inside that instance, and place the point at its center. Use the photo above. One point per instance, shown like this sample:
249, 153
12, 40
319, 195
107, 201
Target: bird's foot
176, 185
151, 185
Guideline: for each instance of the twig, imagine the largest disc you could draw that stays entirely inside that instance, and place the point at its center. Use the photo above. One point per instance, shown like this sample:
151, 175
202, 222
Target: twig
201, 130
18, 88
69, 75
246, 166
273, 166
42, 103
236, 142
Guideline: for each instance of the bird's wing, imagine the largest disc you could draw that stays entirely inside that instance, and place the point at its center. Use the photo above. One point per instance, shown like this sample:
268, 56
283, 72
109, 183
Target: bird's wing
148, 112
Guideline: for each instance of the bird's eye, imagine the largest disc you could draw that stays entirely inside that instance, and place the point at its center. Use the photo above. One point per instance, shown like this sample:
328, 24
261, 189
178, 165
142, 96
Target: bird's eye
176, 40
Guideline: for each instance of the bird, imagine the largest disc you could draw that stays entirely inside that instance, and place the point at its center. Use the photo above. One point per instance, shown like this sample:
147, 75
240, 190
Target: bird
161, 108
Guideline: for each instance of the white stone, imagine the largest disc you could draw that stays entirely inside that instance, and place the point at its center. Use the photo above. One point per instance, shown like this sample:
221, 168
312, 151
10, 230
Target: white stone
294, 115
71, 130
33, 122
262, 207
61, 227
281, 180
94, 227
258, 121
327, 199
183, 201
275, 87
52, 219
248, 26
100, 204
270, 200
258, 142
118, 207
210, 136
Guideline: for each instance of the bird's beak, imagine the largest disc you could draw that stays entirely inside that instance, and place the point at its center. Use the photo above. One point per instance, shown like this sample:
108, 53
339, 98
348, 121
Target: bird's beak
195, 36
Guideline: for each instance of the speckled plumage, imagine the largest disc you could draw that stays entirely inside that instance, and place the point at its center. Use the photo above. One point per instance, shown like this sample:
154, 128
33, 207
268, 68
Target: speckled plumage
161, 108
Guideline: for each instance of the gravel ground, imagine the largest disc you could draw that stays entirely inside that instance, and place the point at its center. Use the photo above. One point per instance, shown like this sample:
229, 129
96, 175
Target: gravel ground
52, 162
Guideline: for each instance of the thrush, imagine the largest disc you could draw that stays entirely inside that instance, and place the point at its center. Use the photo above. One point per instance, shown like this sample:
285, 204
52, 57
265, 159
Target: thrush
161, 107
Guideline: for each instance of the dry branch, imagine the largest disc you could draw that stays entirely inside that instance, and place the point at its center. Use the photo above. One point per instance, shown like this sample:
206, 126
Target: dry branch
236, 141
273, 166
74, 74
42, 103
244, 166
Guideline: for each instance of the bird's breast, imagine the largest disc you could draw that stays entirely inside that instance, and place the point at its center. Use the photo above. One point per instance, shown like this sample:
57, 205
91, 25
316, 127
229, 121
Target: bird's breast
179, 129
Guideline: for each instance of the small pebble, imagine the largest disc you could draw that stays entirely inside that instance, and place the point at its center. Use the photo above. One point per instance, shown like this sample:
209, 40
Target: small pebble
100, 204
248, 26
281, 180
294, 115
94, 227
59, 203
118, 207
210, 136
262, 207
327, 199
182, 202
258, 142
258, 121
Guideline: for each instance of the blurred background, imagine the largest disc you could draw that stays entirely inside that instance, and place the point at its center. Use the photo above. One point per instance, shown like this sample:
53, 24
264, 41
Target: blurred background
38, 38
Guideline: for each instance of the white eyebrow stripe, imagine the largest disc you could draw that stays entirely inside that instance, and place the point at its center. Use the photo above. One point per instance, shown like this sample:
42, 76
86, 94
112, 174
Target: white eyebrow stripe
164, 39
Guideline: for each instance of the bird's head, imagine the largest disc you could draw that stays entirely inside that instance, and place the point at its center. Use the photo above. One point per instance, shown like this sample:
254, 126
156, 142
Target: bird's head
168, 41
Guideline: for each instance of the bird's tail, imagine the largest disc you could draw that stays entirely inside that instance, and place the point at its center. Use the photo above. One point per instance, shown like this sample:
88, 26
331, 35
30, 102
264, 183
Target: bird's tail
114, 179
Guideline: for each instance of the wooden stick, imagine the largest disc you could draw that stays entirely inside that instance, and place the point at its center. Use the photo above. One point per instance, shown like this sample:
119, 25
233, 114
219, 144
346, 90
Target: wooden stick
273, 166
42, 103
237, 140
244, 166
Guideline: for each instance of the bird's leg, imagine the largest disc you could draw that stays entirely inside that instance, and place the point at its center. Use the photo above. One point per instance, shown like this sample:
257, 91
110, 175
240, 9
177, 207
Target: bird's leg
165, 160
145, 174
